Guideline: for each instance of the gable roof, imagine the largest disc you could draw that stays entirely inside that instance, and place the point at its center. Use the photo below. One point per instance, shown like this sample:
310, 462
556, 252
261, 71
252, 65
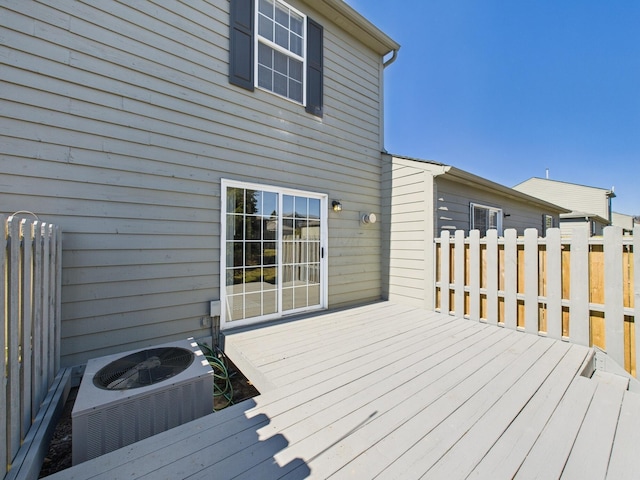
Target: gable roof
548, 181
581, 199
461, 176
339, 12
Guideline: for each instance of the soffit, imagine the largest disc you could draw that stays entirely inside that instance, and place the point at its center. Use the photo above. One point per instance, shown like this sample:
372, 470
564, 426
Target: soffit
351, 21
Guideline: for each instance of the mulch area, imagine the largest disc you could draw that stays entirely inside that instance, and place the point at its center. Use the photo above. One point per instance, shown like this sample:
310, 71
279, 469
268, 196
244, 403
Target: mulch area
59, 455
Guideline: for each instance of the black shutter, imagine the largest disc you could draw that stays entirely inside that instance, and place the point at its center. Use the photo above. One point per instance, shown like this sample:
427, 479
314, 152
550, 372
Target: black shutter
241, 43
314, 68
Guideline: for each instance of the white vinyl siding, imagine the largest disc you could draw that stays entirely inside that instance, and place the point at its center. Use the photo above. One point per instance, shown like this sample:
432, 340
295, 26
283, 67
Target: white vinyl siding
118, 122
419, 203
579, 198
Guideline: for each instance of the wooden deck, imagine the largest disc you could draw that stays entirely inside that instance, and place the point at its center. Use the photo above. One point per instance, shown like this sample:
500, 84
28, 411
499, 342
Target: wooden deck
387, 391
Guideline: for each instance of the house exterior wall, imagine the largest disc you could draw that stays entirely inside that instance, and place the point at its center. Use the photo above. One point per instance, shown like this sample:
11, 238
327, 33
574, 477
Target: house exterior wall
592, 226
420, 201
118, 123
408, 203
579, 198
453, 201
623, 221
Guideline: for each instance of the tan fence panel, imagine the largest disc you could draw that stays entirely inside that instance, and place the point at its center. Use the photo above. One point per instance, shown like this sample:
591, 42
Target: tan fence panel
581, 289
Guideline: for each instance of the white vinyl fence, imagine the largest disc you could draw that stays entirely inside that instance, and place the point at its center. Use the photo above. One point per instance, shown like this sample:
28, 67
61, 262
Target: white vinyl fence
580, 289
30, 263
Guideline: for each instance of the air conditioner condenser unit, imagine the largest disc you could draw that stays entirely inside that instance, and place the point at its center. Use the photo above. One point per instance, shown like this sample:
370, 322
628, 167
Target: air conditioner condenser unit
126, 397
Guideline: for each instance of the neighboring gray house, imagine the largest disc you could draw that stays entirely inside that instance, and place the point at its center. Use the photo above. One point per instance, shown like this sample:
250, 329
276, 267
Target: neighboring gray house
590, 206
190, 152
423, 198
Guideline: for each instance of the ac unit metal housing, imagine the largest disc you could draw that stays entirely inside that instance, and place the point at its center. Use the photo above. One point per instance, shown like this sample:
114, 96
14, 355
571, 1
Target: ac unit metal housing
105, 420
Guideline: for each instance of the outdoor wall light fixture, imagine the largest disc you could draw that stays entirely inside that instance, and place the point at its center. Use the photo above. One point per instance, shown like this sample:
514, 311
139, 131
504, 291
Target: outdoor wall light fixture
336, 205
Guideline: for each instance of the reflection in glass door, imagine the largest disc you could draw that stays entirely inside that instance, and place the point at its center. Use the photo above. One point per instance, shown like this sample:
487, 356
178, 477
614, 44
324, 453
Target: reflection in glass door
300, 252
272, 252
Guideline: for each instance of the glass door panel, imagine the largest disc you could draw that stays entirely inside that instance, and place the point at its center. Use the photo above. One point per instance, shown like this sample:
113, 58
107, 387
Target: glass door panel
273, 255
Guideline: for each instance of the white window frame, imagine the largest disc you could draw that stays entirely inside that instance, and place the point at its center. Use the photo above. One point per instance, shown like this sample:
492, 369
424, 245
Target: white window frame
324, 275
303, 58
548, 221
497, 210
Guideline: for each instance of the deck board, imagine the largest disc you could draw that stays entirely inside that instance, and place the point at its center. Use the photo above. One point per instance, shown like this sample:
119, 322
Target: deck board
389, 391
507, 453
592, 448
625, 461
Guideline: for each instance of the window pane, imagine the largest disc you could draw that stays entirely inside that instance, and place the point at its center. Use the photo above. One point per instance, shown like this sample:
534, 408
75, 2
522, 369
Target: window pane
265, 28
295, 90
287, 275
235, 308
270, 278
280, 63
493, 219
302, 210
266, 8
282, 36
295, 70
252, 305
287, 299
253, 251
252, 279
314, 273
314, 252
314, 295
265, 55
235, 200
235, 227
280, 84
314, 208
287, 206
269, 254
251, 201
235, 254
269, 302
269, 204
253, 228
282, 15
301, 229
264, 78
300, 297
235, 276
296, 23
295, 44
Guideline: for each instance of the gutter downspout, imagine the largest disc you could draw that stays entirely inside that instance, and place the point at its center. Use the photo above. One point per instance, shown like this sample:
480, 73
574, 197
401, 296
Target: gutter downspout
392, 59
384, 66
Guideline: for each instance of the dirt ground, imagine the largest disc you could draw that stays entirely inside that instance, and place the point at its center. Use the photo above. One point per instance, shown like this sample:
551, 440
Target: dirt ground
59, 455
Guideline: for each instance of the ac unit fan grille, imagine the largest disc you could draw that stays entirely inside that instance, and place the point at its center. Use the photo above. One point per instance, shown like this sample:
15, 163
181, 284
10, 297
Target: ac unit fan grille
143, 368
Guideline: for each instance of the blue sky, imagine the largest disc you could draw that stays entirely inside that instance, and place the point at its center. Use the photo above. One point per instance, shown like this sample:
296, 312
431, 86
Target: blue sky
506, 89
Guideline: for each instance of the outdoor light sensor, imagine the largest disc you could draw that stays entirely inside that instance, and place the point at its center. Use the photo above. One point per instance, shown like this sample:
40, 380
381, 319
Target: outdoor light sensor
337, 206
369, 218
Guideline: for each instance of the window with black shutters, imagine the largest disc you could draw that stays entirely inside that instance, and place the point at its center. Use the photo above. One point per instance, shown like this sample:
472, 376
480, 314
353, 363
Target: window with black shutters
276, 48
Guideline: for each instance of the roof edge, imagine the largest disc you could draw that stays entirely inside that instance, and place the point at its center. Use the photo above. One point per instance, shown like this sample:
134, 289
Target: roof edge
608, 191
353, 22
462, 176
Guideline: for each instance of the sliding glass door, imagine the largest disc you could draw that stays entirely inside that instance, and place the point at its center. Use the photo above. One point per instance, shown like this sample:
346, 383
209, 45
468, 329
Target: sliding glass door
273, 261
